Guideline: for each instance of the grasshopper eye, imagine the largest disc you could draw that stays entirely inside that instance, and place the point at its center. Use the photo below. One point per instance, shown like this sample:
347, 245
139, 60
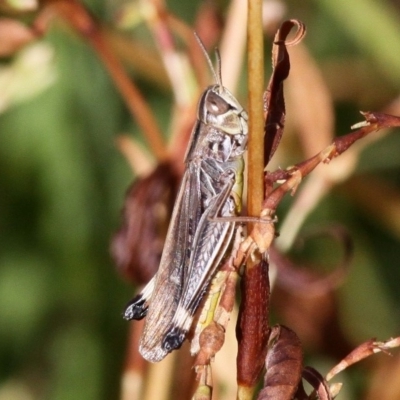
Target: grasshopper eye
215, 104
214, 107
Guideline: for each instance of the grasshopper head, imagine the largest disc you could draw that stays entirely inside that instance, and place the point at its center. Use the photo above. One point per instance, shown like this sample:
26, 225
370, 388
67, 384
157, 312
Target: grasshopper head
221, 129
220, 109
225, 121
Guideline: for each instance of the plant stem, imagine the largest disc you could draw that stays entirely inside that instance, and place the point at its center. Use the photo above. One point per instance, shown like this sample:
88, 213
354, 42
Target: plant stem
255, 62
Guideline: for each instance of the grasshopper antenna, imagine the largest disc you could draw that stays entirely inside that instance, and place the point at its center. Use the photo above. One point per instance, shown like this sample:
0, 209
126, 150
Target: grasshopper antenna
217, 77
219, 80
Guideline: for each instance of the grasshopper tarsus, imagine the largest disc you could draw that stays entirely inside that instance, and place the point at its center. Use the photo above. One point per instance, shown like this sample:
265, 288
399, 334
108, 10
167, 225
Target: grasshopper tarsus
136, 308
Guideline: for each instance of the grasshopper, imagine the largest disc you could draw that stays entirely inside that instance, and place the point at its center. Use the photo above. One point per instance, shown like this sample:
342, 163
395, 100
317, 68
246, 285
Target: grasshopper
202, 223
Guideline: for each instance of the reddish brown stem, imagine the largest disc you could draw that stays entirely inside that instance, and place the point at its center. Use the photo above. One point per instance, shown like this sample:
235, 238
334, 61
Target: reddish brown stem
253, 329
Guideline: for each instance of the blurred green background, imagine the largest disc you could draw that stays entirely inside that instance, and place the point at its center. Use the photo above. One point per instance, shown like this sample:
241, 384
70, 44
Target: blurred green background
62, 184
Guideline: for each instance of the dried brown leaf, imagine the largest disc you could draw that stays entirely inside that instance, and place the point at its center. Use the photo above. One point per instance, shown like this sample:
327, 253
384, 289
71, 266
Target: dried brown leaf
284, 364
317, 381
274, 98
137, 246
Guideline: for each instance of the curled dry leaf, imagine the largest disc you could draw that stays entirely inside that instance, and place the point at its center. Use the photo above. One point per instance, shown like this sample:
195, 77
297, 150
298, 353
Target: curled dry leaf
317, 381
273, 98
284, 364
137, 246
